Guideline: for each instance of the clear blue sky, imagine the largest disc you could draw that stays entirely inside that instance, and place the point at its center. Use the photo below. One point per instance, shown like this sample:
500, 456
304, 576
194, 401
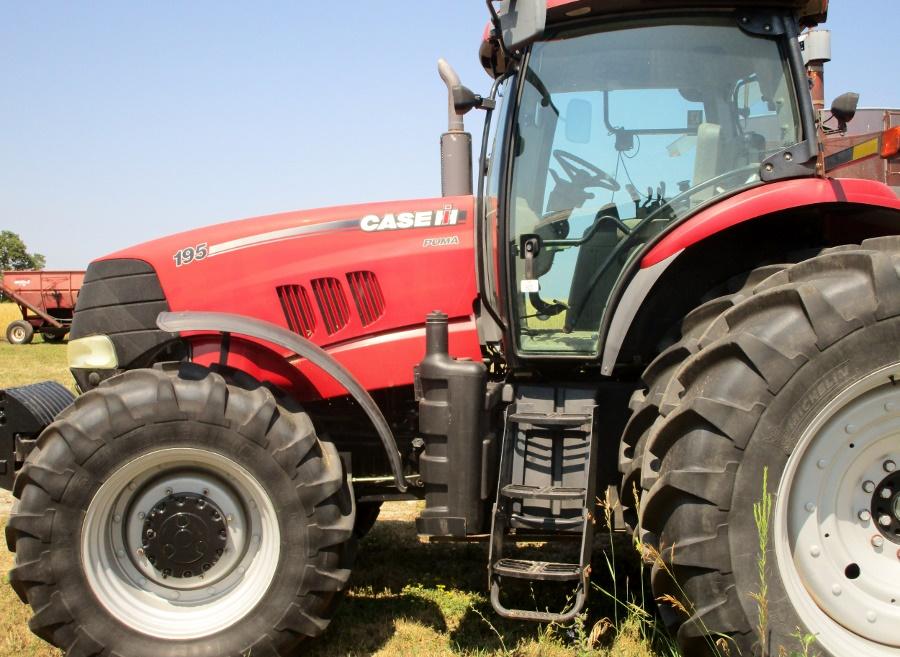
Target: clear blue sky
124, 121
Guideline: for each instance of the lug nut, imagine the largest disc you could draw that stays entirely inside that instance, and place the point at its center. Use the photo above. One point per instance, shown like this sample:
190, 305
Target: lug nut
869, 486
877, 541
864, 515
889, 466
884, 521
886, 493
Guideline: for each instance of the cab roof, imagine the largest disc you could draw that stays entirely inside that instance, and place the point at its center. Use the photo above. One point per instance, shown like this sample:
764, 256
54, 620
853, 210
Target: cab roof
809, 13
558, 11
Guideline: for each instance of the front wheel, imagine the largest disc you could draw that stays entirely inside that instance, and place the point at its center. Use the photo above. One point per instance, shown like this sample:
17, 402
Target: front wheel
790, 399
174, 512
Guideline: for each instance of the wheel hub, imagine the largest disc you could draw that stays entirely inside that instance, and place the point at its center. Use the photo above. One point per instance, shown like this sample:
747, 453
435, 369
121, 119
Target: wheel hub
886, 507
184, 535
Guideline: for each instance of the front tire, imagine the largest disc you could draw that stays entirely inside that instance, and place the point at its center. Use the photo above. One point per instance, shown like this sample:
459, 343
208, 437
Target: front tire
797, 381
174, 511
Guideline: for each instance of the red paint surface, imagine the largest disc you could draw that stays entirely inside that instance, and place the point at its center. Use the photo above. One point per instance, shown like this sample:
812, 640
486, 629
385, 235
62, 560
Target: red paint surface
768, 199
414, 280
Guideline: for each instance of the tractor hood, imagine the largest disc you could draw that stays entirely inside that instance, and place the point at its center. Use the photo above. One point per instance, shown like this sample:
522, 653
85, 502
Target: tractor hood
335, 276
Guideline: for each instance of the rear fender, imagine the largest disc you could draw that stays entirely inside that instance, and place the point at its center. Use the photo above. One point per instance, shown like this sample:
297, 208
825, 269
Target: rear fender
228, 324
779, 198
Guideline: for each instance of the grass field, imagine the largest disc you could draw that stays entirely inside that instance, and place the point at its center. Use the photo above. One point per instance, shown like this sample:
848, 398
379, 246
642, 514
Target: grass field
23, 364
407, 598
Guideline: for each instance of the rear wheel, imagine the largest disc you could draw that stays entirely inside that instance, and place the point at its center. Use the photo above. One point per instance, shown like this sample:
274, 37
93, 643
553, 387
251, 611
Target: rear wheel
174, 512
54, 336
19, 332
796, 383
645, 403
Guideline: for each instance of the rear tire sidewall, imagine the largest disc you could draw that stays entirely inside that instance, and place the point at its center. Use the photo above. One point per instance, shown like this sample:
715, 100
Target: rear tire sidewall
774, 439
89, 612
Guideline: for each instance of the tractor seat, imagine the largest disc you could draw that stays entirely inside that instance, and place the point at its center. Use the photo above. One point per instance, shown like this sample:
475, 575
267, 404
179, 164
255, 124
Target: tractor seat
591, 256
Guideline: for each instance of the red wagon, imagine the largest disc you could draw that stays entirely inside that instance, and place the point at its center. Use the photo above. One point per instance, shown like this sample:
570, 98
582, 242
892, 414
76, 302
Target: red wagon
46, 299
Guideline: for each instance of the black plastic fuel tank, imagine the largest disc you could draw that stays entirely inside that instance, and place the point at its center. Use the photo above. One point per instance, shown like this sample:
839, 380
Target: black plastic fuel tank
451, 419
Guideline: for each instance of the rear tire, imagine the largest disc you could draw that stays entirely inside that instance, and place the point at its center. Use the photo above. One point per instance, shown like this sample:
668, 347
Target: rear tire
796, 382
646, 402
19, 332
152, 457
54, 336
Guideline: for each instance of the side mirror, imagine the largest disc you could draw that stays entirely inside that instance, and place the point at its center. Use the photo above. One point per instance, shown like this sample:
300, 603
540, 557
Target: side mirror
844, 109
521, 22
465, 100
578, 121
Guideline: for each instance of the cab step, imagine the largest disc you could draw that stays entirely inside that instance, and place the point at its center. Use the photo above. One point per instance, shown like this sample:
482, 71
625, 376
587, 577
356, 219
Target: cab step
520, 492
538, 570
547, 485
551, 420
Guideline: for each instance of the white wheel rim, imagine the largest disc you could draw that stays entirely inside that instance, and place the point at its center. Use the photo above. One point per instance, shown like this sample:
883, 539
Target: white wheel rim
18, 334
840, 567
191, 606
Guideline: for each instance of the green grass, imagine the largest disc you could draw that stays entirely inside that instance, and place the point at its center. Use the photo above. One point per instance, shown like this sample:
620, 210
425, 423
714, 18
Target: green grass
29, 363
406, 598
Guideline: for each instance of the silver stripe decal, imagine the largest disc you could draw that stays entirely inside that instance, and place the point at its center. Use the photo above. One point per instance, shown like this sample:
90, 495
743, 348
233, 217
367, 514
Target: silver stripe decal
279, 235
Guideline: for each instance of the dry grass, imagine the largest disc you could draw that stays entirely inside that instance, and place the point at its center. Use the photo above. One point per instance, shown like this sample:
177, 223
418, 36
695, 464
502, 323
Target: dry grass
407, 598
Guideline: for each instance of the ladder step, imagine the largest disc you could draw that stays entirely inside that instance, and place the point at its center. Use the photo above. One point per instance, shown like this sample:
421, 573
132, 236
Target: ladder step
552, 420
516, 491
537, 570
546, 523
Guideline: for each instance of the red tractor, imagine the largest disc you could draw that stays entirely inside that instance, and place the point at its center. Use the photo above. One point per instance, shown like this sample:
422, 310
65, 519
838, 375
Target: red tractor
657, 293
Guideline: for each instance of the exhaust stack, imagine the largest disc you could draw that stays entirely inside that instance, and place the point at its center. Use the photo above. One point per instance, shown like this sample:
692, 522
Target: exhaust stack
817, 53
456, 143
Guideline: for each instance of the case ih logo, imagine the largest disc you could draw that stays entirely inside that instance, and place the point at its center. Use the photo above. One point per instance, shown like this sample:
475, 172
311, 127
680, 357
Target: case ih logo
448, 216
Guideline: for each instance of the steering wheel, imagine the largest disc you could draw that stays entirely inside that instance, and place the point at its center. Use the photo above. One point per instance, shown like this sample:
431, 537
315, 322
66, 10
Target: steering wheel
582, 173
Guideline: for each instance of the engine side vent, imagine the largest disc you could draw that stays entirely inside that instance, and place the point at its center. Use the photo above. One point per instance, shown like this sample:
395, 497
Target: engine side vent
367, 295
332, 302
297, 309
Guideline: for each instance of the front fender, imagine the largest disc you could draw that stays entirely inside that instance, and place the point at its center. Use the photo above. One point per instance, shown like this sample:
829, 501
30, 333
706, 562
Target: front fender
209, 322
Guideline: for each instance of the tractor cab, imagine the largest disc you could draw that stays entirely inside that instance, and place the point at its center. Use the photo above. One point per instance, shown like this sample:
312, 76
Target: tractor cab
614, 124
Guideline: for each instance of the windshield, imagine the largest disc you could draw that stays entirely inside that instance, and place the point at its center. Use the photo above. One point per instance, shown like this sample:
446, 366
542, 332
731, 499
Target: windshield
618, 134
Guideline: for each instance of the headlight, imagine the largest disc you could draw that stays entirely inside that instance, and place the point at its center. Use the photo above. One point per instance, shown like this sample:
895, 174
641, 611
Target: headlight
95, 352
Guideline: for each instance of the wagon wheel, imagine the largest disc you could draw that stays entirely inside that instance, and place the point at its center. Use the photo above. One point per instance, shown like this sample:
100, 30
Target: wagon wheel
54, 336
19, 332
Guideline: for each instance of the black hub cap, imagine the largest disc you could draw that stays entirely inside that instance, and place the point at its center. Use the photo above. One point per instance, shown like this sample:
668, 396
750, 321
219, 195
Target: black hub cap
886, 507
184, 535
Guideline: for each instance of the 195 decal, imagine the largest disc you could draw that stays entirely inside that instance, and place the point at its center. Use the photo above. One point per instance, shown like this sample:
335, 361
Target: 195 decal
190, 254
